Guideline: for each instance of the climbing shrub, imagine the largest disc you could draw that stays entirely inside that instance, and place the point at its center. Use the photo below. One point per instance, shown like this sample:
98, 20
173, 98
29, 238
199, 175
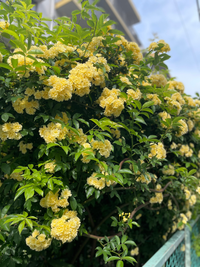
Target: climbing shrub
99, 146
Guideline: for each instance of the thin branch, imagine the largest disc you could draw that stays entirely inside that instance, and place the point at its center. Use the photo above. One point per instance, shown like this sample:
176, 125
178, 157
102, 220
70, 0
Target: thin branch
122, 162
120, 233
161, 190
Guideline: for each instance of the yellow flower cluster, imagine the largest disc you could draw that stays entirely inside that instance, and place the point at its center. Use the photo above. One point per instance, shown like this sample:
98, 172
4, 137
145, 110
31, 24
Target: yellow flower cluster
65, 228
52, 201
164, 115
154, 45
53, 132
23, 147
80, 139
169, 204
86, 153
22, 103
192, 200
174, 85
173, 146
103, 147
158, 151
28, 62
173, 104
95, 43
125, 216
37, 241
134, 252
116, 133
10, 131
83, 75
197, 132
4, 25
111, 101
61, 88
154, 98
190, 124
198, 190
135, 95
15, 176
54, 51
187, 193
183, 129
158, 198
98, 183
137, 55
184, 218
186, 151
125, 80
1, 57
130, 46
142, 178
190, 102
50, 166
158, 80
178, 97
169, 171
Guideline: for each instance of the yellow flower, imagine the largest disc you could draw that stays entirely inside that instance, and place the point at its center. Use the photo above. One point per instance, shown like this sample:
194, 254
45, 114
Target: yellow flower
37, 241
135, 251
65, 228
154, 98
158, 80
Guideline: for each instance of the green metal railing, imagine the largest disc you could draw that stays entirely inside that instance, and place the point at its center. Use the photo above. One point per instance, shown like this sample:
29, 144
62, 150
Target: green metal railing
172, 254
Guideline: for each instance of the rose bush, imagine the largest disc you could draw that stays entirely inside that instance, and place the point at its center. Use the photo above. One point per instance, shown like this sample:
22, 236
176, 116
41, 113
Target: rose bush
99, 147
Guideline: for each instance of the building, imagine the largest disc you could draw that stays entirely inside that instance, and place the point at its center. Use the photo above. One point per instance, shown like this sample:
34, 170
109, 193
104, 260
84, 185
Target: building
121, 11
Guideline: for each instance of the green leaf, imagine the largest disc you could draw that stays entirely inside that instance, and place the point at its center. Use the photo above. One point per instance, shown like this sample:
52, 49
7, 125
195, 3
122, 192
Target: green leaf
50, 184
21, 226
148, 104
130, 242
11, 33
29, 192
120, 264
29, 223
5, 168
89, 192
73, 203
39, 191
192, 172
6, 66
6, 116
5, 210
125, 171
124, 238
19, 44
2, 238
112, 258
140, 119
35, 52
19, 192
117, 240
14, 62
99, 252
128, 258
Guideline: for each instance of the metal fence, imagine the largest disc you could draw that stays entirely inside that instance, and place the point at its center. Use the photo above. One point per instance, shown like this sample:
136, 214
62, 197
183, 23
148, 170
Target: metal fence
173, 254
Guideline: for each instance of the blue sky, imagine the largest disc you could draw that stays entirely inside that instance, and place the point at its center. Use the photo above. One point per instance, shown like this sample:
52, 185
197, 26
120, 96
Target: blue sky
176, 22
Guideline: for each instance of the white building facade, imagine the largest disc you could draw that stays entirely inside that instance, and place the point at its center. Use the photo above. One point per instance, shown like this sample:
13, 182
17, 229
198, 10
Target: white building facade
121, 11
